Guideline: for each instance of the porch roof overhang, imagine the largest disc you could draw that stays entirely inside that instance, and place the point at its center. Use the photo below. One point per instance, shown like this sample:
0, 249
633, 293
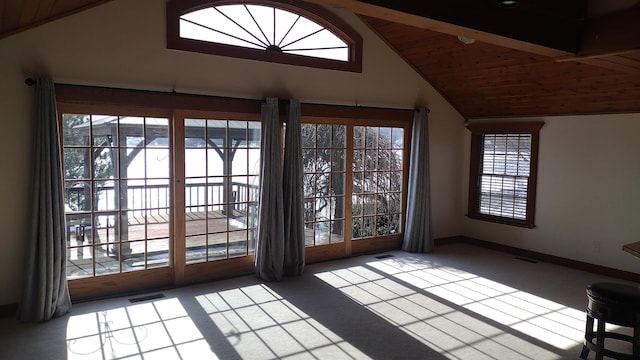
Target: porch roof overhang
153, 128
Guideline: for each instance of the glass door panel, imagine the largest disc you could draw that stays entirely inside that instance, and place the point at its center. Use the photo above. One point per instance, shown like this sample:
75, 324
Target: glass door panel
117, 195
377, 181
324, 148
221, 188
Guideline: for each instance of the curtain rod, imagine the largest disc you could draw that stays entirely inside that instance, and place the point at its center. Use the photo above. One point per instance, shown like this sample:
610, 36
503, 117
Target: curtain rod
30, 81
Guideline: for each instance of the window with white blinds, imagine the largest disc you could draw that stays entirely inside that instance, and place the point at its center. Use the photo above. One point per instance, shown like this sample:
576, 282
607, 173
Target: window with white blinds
504, 179
503, 172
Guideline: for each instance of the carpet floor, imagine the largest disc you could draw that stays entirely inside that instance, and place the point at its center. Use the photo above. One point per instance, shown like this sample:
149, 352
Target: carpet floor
458, 302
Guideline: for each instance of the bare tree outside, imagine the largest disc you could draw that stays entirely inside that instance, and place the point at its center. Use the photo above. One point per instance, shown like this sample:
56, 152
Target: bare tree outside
324, 182
377, 180
79, 158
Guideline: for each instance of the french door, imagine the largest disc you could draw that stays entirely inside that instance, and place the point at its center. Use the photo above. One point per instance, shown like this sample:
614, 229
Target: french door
154, 198
354, 185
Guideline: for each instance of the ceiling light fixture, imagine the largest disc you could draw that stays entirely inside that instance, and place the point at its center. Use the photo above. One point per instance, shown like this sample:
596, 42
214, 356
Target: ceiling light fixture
466, 40
508, 4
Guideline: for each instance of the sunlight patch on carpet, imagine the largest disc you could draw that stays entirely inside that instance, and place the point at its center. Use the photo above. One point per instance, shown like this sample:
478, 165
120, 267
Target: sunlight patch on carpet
459, 314
153, 330
260, 324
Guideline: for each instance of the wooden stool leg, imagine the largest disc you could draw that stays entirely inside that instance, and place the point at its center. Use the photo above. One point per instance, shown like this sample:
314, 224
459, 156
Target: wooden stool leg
587, 331
584, 353
600, 338
636, 344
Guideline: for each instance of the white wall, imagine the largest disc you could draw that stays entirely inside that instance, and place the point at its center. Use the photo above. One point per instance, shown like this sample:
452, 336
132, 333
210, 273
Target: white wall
122, 44
588, 194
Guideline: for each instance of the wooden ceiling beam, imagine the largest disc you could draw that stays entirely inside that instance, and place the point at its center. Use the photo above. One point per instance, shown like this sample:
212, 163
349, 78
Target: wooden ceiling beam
612, 34
399, 12
541, 22
611, 41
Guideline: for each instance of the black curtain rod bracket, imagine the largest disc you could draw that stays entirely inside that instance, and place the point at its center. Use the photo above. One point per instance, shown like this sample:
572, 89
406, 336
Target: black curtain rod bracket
29, 81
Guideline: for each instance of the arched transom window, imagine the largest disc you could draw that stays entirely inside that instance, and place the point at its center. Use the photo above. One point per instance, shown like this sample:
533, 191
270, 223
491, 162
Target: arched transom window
306, 35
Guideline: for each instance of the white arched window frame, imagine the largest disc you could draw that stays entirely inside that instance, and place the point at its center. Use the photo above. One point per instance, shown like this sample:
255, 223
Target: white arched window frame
305, 34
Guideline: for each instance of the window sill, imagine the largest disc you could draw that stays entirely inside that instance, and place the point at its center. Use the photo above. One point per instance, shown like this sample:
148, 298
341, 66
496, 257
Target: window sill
502, 220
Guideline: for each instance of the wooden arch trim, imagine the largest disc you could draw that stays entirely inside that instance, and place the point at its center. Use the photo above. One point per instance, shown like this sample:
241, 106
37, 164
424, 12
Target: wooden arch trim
317, 13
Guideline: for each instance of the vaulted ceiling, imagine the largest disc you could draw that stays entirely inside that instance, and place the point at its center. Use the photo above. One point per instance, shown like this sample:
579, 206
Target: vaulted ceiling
542, 57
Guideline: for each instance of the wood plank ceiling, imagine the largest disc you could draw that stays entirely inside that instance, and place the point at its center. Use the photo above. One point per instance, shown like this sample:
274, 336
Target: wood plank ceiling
487, 80
20, 15
544, 57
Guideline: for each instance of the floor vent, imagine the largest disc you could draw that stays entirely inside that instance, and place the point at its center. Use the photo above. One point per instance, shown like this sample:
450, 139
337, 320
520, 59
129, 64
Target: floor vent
384, 256
146, 298
527, 260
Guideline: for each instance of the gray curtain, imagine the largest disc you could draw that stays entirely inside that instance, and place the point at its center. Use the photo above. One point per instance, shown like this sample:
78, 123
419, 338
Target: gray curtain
417, 229
269, 255
46, 294
293, 197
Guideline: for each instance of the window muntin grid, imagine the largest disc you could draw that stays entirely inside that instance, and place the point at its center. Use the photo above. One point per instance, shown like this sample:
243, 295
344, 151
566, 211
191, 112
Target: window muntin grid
377, 181
222, 166
324, 182
116, 180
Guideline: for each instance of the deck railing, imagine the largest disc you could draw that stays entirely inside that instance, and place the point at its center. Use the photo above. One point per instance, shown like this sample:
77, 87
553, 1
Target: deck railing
151, 203
154, 199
